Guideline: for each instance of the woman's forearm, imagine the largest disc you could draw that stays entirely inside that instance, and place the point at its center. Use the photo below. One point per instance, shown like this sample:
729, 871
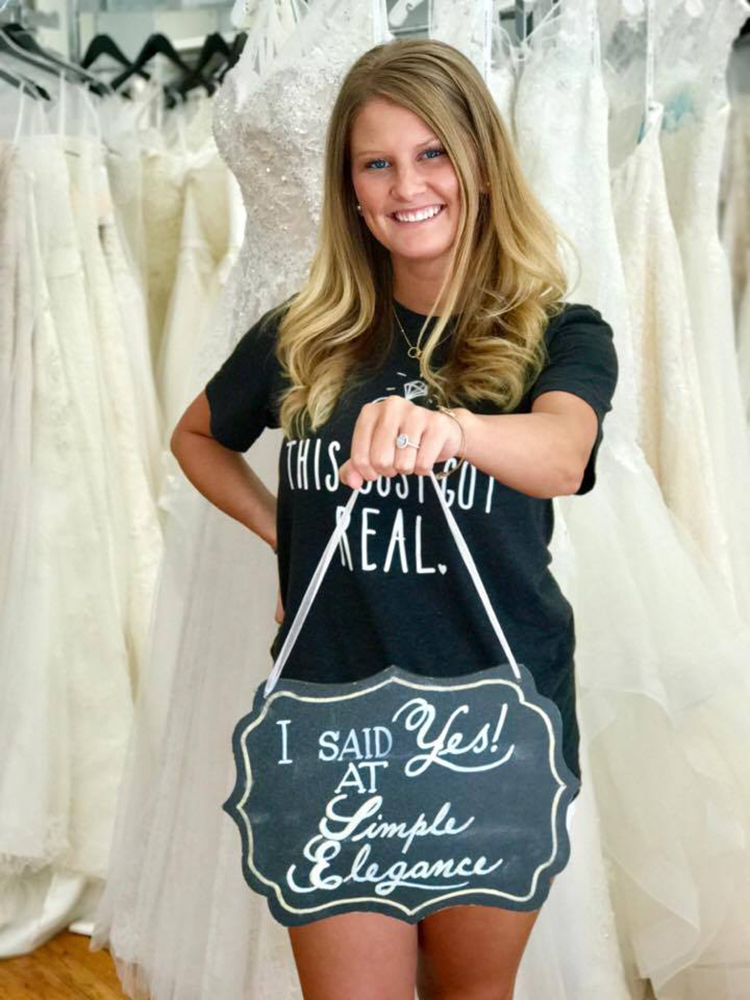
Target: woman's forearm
529, 452
225, 478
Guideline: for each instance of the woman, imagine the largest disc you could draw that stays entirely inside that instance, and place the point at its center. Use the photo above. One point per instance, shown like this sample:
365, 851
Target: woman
436, 283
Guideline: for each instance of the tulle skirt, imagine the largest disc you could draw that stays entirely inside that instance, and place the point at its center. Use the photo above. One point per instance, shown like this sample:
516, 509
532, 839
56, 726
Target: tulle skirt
663, 689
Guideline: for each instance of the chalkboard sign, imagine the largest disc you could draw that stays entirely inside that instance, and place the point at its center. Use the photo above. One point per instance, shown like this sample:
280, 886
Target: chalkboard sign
401, 794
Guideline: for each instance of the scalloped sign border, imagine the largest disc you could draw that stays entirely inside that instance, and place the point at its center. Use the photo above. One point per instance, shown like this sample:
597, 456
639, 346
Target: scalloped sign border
288, 815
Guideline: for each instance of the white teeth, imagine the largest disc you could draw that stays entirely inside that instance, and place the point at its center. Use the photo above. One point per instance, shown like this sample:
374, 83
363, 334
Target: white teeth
420, 216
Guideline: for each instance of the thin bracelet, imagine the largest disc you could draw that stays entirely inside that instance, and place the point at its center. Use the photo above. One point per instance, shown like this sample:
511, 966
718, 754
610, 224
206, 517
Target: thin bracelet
462, 449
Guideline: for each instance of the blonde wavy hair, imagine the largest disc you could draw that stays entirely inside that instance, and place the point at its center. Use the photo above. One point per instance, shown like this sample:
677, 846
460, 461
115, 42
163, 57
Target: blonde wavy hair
503, 284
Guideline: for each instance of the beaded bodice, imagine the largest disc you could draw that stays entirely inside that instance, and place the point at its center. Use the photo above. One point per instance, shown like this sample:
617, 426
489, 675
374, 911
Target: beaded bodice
270, 128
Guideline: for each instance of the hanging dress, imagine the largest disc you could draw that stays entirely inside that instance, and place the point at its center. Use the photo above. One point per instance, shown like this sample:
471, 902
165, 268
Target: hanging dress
672, 429
203, 244
67, 685
663, 733
692, 142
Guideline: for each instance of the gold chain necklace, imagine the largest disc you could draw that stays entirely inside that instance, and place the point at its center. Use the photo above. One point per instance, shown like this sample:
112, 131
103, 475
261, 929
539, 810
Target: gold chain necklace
415, 351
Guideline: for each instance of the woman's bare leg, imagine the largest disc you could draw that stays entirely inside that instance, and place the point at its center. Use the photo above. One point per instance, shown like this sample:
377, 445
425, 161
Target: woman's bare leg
356, 956
471, 952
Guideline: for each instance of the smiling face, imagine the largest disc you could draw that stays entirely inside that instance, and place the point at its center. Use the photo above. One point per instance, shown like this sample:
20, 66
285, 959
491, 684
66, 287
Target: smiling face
405, 183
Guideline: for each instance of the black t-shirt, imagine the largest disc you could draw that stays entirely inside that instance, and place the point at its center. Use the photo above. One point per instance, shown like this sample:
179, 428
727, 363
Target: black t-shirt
397, 591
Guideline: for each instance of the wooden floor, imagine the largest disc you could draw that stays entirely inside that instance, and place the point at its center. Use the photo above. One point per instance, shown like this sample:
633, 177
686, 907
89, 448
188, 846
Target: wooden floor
65, 969
62, 969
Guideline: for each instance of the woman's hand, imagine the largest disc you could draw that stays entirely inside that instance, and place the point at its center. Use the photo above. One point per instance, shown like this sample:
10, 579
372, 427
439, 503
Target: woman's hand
374, 452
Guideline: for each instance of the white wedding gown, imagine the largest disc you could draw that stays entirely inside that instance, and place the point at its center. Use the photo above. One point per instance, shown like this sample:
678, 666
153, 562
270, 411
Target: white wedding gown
16, 386
65, 662
202, 246
692, 148
86, 541
660, 666
672, 428
660, 653
122, 234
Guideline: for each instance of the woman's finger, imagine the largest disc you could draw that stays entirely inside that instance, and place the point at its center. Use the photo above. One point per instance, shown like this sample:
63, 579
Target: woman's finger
434, 436
359, 458
374, 451
350, 476
394, 414
413, 425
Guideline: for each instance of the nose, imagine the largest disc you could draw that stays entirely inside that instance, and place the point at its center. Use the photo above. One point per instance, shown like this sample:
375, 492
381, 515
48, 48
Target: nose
407, 183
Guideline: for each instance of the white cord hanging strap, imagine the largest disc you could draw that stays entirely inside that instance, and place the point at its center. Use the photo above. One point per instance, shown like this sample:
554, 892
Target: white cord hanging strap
463, 548
325, 559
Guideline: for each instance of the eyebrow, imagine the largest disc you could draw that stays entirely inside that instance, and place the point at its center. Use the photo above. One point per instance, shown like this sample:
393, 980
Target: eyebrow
419, 145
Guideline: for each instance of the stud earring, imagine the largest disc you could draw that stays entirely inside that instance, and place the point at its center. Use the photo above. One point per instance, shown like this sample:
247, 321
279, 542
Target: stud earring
359, 208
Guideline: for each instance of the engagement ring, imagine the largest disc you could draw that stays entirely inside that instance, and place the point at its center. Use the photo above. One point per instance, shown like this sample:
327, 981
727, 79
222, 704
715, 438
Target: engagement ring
402, 441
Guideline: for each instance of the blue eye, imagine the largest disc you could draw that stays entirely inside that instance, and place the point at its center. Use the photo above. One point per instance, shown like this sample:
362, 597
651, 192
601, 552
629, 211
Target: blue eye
430, 154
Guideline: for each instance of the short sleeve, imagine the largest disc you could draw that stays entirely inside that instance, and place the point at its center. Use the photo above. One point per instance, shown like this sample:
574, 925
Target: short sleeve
241, 395
582, 361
